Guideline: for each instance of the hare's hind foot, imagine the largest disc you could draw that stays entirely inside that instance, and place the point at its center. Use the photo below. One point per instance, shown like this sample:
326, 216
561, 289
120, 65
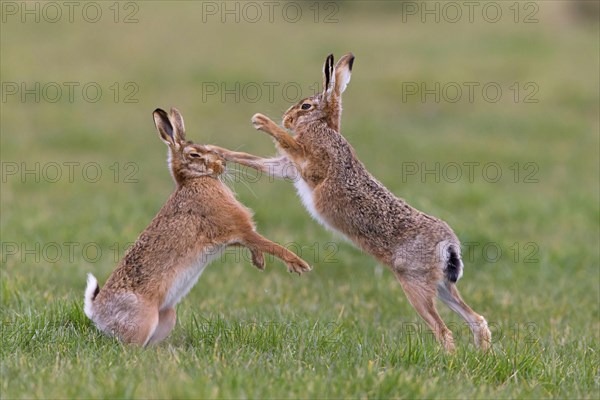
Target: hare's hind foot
134, 329
421, 294
484, 338
127, 317
449, 294
166, 322
150, 327
258, 258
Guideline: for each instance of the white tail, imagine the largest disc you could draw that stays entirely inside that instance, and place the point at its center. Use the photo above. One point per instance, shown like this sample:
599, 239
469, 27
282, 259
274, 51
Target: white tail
90, 293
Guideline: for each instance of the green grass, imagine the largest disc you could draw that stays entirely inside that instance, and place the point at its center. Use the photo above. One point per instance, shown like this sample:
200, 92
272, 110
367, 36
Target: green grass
345, 330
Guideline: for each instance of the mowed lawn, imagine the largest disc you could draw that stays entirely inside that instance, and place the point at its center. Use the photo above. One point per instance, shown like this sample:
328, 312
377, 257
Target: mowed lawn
493, 127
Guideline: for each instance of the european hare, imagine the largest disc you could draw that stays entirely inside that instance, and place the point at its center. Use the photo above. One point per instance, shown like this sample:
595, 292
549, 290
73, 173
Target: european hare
199, 220
422, 251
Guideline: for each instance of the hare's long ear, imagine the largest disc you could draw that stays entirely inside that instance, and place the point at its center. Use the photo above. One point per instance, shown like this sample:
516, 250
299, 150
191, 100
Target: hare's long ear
328, 74
164, 127
343, 71
178, 125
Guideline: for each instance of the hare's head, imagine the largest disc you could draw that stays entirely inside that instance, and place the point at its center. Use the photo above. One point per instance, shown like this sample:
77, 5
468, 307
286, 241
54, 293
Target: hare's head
186, 159
327, 105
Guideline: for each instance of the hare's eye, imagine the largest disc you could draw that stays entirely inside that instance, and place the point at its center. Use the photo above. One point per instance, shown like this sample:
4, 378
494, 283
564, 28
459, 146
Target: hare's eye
305, 106
195, 155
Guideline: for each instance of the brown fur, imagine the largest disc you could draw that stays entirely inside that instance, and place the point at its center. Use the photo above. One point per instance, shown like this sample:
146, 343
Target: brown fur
347, 198
198, 221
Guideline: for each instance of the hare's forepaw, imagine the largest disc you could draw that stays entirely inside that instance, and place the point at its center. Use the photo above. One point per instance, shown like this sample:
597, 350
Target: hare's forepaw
298, 266
262, 122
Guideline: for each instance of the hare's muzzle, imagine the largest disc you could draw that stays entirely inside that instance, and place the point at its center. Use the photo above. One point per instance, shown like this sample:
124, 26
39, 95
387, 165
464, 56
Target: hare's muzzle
219, 166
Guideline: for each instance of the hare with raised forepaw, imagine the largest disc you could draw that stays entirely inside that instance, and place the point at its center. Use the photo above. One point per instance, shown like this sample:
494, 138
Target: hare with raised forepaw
422, 251
199, 220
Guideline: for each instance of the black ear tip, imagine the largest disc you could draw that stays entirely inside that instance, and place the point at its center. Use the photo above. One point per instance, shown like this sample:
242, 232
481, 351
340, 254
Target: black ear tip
159, 111
330, 60
351, 63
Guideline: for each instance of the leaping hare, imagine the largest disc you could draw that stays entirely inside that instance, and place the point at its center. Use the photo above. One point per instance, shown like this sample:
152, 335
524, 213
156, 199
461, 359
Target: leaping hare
337, 190
199, 220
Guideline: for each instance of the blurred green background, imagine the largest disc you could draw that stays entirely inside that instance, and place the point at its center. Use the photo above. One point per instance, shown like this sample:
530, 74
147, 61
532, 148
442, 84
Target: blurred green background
485, 115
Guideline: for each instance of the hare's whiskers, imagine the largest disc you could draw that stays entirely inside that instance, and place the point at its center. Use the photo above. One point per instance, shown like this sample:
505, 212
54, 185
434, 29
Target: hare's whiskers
239, 174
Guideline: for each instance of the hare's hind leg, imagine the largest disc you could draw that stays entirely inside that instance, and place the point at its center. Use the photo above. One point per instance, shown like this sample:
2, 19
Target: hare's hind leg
422, 294
127, 317
448, 293
139, 327
166, 323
